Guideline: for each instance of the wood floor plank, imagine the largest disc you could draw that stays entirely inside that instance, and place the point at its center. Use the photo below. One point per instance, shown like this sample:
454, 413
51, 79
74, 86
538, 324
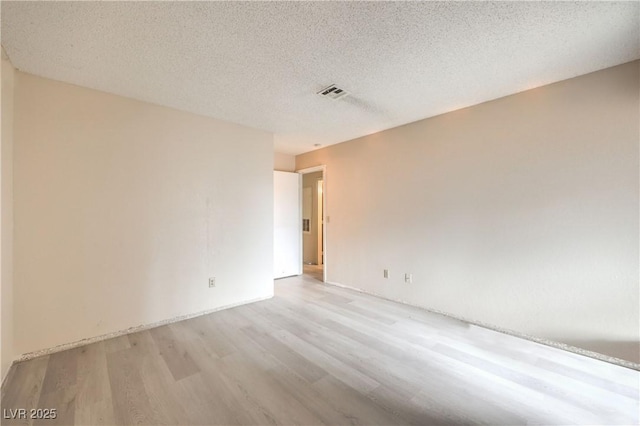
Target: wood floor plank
95, 414
62, 371
357, 309
237, 404
93, 396
177, 358
157, 379
193, 343
590, 395
395, 376
354, 404
587, 377
131, 404
404, 408
454, 409
220, 405
141, 345
215, 338
309, 397
199, 404
276, 317
234, 318
23, 388
299, 364
260, 386
367, 362
364, 358
116, 344
335, 367
336, 298
572, 394
63, 401
92, 377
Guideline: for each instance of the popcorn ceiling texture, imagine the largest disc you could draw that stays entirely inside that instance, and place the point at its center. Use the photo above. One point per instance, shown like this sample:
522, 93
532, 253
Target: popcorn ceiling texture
260, 64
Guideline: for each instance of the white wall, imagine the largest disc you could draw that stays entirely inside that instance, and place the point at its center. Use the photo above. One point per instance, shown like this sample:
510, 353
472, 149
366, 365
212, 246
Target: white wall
6, 228
521, 212
124, 209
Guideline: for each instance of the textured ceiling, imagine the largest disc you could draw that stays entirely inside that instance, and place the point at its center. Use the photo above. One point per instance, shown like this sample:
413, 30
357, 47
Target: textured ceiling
261, 63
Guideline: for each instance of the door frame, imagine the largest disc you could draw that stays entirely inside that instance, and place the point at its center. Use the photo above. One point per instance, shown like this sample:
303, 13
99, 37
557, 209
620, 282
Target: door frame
322, 168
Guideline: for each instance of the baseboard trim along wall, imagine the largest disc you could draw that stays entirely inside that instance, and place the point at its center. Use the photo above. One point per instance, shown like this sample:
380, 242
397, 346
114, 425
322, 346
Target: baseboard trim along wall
557, 345
130, 330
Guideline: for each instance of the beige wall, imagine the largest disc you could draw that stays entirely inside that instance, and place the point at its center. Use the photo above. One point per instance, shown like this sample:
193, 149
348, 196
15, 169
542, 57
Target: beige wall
521, 212
284, 162
123, 210
6, 228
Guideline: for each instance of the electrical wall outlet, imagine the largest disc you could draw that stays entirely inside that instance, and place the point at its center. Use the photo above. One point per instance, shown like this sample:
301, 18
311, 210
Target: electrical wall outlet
212, 282
408, 278
385, 273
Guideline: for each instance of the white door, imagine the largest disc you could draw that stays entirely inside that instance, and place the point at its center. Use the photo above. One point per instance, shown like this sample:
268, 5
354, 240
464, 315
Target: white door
287, 219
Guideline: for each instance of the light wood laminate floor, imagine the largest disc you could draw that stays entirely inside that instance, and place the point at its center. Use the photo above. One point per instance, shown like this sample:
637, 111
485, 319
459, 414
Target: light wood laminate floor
319, 354
314, 271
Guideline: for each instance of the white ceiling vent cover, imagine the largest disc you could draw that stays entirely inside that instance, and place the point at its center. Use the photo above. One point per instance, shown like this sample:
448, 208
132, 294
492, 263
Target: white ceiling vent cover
333, 92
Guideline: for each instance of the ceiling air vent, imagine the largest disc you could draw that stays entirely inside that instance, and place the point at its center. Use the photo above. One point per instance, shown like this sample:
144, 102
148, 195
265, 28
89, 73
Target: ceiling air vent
333, 92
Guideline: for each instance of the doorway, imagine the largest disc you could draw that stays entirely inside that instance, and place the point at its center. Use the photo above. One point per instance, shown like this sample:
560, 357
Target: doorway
313, 222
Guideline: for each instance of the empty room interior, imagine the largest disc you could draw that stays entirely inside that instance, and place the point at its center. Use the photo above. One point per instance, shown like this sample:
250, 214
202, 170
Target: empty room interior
306, 213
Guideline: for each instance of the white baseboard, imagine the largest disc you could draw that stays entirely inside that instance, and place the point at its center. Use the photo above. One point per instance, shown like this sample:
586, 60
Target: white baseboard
546, 342
89, 340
